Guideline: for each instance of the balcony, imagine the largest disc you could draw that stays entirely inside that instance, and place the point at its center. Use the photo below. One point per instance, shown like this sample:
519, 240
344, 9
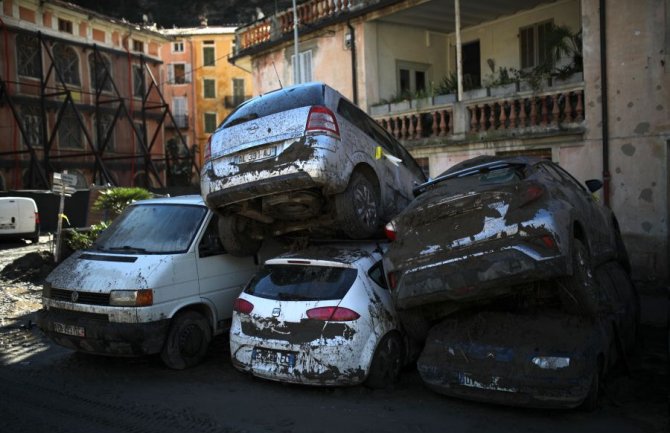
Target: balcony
556, 110
180, 121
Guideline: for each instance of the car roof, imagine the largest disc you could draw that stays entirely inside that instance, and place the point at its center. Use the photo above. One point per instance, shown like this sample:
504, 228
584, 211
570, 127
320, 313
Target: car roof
336, 253
181, 199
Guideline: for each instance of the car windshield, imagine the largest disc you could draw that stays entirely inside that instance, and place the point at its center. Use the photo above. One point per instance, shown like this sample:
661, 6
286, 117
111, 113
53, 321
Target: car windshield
152, 229
276, 102
302, 283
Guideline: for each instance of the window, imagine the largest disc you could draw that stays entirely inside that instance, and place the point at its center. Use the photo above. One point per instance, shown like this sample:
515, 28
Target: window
238, 91
138, 81
210, 244
32, 125
64, 26
533, 44
67, 63
208, 53
69, 131
28, 55
100, 69
138, 46
376, 274
305, 67
210, 122
209, 88
412, 77
104, 125
179, 104
178, 47
179, 73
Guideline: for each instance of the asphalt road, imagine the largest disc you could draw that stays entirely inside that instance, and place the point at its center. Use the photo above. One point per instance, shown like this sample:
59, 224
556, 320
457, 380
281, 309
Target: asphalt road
46, 388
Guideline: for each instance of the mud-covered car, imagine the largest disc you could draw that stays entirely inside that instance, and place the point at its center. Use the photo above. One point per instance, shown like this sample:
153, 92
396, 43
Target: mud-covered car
321, 316
304, 158
537, 357
493, 226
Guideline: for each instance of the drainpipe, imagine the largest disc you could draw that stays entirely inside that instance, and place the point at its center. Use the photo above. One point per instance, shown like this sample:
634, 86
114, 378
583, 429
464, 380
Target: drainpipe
354, 81
604, 107
459, 55
296, 46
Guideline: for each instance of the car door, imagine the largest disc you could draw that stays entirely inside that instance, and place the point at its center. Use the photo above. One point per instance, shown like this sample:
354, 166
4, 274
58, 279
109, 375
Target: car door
221, 275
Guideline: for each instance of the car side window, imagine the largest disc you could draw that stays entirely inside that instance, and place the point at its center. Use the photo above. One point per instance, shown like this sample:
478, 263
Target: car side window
568, 177
210, 244
376, 274
361, 120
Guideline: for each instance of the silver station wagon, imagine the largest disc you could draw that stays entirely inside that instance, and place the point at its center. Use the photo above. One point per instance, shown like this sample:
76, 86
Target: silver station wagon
304, 158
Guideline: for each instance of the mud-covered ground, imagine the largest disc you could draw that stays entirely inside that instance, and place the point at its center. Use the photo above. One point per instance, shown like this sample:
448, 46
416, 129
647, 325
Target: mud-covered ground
47, 388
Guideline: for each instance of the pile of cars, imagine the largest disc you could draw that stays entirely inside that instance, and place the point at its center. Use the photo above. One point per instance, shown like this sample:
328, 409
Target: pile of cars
503, 278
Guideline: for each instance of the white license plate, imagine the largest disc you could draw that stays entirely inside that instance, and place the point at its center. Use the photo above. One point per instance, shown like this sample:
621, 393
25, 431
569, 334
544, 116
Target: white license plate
257, 155
273, 357
77, 331
491, 383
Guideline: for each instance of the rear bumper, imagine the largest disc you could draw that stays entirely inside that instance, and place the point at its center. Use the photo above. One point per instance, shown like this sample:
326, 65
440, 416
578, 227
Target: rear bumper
475, 275
104, 337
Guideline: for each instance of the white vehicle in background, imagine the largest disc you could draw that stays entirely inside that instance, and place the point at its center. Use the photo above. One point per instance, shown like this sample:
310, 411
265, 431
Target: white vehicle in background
321, 316
156, 281
19, 219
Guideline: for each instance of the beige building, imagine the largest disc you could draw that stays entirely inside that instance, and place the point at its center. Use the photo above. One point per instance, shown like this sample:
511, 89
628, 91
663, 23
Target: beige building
600, 109
201, 86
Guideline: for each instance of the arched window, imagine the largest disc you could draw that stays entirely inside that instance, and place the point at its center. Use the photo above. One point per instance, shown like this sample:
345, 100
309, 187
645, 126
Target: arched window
67, 62
104, 125
100, 69
69, 131
28, 55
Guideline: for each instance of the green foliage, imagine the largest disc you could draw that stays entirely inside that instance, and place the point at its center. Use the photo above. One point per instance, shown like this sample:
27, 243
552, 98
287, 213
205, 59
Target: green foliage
449, 84
79, 240
115, 200
504, 76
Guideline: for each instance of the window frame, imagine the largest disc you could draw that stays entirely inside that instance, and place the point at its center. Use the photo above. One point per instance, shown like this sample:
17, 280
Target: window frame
139, 83
65, 26
92, 68
413, 68
28, 62
304, 57
172, 73
177, 44
206, 46
205, 116
66, 129
538, 51
72, 72
212, 82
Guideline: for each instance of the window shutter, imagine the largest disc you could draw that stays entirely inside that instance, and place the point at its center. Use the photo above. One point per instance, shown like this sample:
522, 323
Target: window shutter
187, 72
306, 66
171, 73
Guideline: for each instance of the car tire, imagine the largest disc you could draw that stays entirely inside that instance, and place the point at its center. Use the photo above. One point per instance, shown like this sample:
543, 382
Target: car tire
187, 341
414, 324
590, 403
579, 292
235, 237
386, 362
624, 284
621, 251
358, 207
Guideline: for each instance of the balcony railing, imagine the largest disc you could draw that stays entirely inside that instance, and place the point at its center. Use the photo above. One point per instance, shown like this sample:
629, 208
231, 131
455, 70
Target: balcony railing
309, 13
180, 120
553, 110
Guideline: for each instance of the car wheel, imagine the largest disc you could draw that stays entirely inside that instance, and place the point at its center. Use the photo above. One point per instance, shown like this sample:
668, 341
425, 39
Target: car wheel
187, 341
590, 403
578, 292
358, 207
629, 295
386, 362
233, 232
621, 252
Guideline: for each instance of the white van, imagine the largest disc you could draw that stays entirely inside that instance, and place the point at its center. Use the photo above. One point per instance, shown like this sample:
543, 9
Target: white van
19, 218
156, 281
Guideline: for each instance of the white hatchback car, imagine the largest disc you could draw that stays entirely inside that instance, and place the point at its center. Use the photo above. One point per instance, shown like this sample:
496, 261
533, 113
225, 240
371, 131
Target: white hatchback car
321, 316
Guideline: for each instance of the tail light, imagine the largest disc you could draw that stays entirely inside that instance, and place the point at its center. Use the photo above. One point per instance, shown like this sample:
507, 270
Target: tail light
320, 120
392, 280
208, 149
243, 306
333, 314
390, 230
37, 217
532, 192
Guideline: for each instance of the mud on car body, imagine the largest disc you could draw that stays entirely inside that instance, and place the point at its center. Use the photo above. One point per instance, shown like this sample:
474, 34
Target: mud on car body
304, 157
321, 316
156, 281
490, 226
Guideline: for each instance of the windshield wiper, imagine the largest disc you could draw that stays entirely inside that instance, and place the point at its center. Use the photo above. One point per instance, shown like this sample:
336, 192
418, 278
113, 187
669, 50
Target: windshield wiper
241, 119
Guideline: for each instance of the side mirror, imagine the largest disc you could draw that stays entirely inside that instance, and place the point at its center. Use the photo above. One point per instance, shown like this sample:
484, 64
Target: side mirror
593, 184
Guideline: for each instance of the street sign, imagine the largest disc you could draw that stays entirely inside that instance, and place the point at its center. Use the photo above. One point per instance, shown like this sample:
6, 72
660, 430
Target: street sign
65, 179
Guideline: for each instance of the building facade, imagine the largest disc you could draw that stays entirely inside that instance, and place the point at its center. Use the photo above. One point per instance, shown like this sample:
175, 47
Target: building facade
583, 82
78, 93
201, 86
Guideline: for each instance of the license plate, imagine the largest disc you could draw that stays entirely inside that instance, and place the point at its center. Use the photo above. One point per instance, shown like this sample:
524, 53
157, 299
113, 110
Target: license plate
257, 155
268, 356
491, 383
76, 331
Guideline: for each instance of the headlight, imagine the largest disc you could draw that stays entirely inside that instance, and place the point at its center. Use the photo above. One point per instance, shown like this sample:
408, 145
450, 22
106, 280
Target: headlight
551, 362
131, 298
46, 290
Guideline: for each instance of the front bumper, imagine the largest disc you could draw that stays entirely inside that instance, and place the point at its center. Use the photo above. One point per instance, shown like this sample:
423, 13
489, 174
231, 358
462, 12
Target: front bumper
317, 363
102, 336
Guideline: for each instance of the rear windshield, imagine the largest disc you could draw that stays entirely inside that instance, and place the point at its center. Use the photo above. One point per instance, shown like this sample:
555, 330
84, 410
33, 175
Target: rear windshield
152, 229
302, 283
276, 102
482, 179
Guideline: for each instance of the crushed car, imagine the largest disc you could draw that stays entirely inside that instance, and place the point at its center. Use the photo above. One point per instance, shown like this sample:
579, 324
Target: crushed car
304, 159
156, 281
320, 316
533, 357
495, 226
